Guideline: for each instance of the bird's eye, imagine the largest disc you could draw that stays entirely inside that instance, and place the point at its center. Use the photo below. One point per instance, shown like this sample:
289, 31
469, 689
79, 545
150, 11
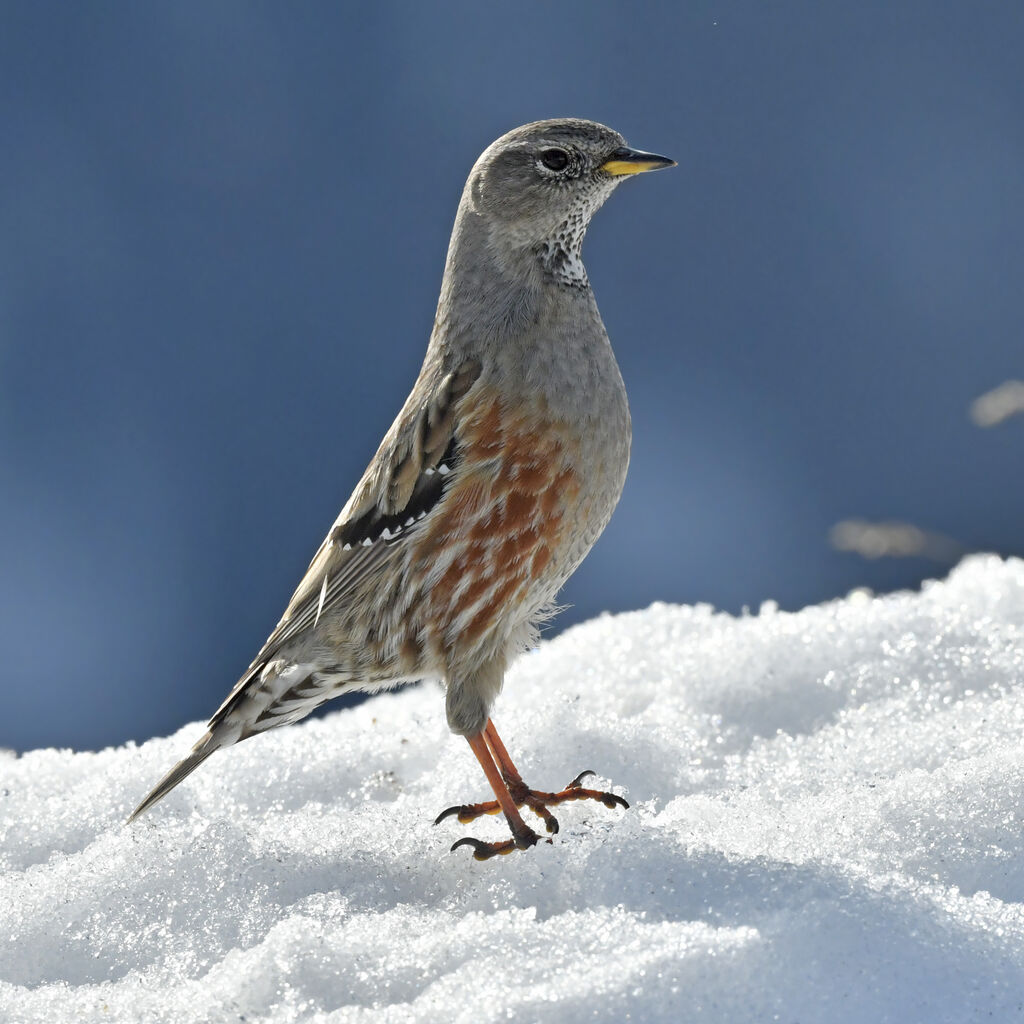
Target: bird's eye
554, 159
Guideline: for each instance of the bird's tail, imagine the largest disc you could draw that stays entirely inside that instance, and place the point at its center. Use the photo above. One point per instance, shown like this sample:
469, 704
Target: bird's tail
185, 767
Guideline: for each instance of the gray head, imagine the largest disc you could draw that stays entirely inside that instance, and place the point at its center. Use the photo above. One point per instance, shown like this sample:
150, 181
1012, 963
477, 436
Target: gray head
537, 187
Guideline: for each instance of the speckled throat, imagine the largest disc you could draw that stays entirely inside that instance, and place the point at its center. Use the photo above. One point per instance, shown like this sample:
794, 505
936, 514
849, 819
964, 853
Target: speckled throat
561, 254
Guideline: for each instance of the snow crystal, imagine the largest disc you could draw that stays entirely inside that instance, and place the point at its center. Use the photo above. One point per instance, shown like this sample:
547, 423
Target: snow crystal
826, 826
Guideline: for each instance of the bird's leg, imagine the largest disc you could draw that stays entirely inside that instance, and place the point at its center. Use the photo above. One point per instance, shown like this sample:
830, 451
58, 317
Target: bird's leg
523, 836
537, 800
501, 756
497, 756
519, 790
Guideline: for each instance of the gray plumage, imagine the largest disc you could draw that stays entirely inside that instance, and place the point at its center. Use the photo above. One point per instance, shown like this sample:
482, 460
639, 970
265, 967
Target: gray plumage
497, 476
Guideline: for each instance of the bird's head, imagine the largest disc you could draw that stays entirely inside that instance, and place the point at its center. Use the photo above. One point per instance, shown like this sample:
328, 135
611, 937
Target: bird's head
538, 186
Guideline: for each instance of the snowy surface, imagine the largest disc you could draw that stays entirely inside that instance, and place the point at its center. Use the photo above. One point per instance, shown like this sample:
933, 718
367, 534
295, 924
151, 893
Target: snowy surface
826, 826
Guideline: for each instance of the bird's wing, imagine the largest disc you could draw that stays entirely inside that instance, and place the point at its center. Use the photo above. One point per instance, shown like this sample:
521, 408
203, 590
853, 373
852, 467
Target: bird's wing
405, 479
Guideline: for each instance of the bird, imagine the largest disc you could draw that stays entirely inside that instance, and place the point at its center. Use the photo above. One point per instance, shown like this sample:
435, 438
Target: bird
496, 478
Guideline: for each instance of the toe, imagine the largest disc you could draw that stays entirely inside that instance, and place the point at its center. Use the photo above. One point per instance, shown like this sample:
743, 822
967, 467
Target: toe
468, 812
485, 851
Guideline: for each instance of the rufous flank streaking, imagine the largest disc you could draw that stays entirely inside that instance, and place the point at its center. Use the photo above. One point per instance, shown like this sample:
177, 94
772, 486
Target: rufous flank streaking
500, 472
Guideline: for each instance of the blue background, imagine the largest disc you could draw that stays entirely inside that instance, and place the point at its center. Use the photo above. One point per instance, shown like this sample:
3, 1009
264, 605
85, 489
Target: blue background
222, 229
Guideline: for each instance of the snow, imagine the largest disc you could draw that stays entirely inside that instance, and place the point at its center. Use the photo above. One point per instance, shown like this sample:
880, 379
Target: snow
826, 825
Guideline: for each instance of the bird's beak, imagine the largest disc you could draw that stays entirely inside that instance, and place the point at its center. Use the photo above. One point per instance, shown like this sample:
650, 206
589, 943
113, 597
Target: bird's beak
634, 161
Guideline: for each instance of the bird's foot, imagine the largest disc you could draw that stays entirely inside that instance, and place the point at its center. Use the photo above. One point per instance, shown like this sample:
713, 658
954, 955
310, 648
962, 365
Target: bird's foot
537, 800
522, 839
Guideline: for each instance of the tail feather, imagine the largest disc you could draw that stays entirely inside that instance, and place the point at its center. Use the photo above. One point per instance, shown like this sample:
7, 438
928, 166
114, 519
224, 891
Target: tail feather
185, 767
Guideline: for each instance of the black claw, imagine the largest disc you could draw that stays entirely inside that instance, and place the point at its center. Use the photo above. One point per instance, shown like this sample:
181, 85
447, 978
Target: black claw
447, 813
575, 784
484, 851
611, 800
468, 812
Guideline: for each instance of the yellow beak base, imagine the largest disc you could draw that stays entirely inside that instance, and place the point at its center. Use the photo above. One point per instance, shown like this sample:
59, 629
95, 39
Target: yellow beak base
634, 161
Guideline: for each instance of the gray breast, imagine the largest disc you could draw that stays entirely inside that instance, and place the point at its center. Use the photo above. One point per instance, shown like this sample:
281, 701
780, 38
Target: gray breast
572, 369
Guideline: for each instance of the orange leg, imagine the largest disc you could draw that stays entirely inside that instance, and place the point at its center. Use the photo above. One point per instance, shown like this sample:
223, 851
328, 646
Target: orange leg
501, 757
523, 837
513, 793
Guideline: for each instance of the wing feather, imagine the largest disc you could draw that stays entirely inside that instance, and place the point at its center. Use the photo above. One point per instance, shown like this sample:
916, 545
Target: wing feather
406, 479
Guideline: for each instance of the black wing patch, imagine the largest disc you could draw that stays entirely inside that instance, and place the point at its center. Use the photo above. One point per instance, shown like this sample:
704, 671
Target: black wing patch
375, 526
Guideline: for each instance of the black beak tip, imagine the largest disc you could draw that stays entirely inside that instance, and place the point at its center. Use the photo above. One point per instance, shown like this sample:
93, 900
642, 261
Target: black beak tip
652, 161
